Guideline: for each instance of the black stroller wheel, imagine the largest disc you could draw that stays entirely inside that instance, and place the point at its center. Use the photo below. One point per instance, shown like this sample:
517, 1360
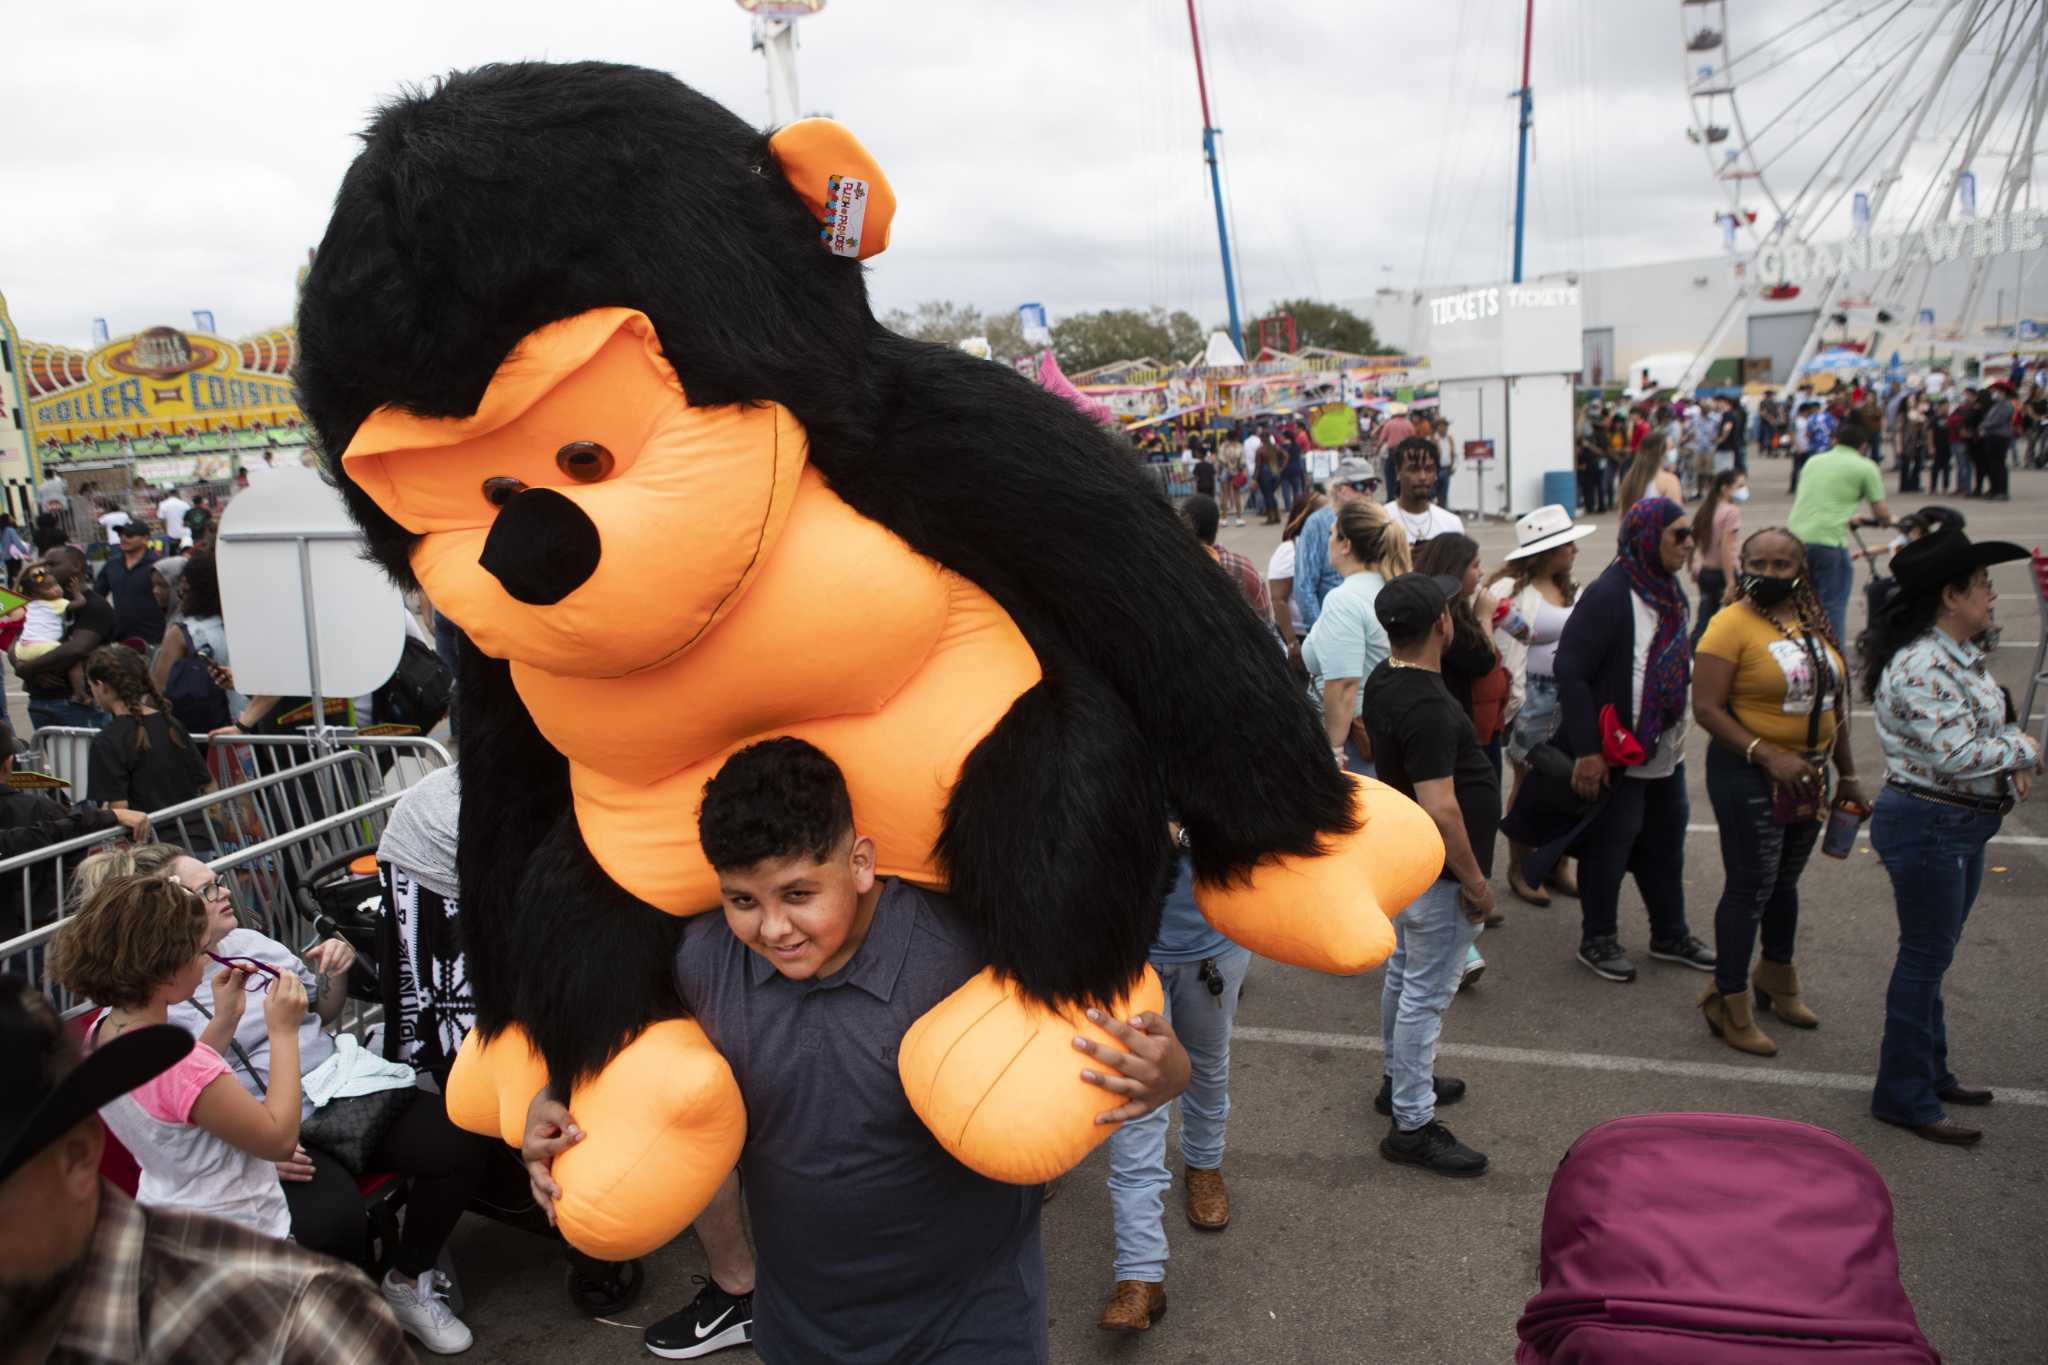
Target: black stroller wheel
600, 1289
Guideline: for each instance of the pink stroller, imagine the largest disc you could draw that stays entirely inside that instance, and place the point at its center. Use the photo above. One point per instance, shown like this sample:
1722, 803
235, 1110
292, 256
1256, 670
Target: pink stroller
1718, 1239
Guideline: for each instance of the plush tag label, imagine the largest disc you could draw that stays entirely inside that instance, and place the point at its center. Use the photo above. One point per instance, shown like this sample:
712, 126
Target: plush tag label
846, 214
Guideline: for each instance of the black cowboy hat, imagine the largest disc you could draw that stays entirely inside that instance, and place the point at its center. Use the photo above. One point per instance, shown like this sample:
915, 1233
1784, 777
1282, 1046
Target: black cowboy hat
1927, 564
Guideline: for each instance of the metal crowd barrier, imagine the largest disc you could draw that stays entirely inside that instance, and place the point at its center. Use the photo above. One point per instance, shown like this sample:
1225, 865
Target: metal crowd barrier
64, 752
267, 832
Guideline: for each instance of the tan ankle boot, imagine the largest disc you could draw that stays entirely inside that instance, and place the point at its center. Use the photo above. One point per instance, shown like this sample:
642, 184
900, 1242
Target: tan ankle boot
1777, 989
1730, 1018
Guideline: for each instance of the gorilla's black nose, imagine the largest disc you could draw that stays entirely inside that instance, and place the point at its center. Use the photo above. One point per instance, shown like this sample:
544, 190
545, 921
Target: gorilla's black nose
542, 547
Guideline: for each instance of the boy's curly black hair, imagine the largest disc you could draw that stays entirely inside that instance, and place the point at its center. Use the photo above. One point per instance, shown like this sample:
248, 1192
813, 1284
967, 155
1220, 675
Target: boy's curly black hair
771, 801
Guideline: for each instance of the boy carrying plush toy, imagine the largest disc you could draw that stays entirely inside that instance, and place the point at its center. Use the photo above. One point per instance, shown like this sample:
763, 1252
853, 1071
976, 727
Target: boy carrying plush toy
871, 1242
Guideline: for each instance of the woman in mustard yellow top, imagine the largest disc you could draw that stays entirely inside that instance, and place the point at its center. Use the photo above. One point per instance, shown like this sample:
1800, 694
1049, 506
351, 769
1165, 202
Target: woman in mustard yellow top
1769, 685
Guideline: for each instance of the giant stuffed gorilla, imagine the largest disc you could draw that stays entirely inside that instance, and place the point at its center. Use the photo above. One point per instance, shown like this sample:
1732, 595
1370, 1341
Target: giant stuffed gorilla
592, 361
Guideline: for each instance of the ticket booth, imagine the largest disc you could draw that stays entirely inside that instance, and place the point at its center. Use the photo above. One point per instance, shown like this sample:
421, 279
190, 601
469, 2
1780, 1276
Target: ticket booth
1505, 358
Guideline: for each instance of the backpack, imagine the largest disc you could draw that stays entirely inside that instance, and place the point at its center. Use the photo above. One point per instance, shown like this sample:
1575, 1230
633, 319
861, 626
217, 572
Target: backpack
196, 700
419, 690
1718, 1239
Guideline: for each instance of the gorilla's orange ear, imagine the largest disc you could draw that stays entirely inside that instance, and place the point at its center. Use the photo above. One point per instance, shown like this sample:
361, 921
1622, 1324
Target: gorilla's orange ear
840, 182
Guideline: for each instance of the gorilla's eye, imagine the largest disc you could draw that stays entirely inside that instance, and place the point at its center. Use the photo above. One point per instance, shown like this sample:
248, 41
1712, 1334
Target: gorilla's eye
584, 461
501, 490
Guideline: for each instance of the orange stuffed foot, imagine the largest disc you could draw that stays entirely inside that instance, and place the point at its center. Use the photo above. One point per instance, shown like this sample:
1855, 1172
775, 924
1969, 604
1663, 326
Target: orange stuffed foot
663, 1124
1334, 912
996, 1078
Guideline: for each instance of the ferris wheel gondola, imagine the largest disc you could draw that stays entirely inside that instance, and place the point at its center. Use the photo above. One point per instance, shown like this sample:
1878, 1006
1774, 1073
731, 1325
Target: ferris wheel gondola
1860, 117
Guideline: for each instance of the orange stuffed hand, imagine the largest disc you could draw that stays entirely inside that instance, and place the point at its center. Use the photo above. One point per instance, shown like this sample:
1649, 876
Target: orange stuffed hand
662, 1126
1335, 912
996, 1077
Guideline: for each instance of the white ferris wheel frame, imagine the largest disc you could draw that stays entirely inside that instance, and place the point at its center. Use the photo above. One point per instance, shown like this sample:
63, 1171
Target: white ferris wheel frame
1871, 138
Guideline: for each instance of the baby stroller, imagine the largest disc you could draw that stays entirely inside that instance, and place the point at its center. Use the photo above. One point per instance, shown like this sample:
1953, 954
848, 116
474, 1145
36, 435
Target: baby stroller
345, 896
1718, 1239
1882, 588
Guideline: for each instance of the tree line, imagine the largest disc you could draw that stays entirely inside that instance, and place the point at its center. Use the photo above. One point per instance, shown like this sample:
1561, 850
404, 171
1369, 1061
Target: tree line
1083, 341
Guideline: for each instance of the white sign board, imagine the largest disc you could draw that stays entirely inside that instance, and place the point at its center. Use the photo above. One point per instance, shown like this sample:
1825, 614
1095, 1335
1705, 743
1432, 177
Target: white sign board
285, 531
1504, 329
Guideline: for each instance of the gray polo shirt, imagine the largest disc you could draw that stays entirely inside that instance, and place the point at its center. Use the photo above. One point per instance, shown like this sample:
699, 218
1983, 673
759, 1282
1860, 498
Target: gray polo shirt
871, 1243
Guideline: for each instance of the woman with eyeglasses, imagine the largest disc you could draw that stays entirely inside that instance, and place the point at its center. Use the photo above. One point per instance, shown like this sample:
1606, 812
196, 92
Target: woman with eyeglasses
137, 946
443, 1163
1624, 670
1954, 764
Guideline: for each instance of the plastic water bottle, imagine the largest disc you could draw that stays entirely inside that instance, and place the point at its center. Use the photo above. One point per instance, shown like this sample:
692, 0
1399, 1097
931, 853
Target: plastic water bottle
1843, 821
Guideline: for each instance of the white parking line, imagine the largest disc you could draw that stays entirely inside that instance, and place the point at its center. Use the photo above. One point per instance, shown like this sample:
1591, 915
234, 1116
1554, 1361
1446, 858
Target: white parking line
1595, 1061
2015, 840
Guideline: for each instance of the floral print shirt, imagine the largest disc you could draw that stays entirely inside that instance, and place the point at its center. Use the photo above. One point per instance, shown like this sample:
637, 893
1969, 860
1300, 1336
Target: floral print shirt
1941, 720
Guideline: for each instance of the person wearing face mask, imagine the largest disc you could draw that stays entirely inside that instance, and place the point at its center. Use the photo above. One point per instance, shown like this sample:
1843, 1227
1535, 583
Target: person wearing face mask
1720, 525
1771, 688
1955, 762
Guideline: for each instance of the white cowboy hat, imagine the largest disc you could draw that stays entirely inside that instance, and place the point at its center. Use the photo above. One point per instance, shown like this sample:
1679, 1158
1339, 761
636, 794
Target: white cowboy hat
1546, 528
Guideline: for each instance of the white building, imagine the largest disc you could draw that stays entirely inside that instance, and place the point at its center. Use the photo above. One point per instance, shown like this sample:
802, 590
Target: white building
1659, 315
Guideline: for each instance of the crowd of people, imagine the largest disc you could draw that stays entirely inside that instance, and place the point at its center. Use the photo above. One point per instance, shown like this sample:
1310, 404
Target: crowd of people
1507, 700
1964, 442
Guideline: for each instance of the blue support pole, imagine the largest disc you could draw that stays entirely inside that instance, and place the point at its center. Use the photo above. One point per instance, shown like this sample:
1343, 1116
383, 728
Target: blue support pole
1522, 145
1223, 238
1522, 179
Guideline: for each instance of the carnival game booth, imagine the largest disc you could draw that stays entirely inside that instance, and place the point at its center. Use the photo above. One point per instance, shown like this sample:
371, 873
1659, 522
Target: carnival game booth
1505, 359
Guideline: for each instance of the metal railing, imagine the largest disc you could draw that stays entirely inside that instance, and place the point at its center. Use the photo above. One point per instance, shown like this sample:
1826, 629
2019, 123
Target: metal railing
65, 751
266, 832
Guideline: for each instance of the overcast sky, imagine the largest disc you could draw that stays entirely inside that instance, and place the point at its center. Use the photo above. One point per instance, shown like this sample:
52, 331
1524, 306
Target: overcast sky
181, 157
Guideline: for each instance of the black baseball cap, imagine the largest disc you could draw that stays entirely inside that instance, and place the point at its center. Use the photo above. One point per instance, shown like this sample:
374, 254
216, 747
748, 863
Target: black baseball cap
1411, 604
131, 528
1924, 565
45, 1089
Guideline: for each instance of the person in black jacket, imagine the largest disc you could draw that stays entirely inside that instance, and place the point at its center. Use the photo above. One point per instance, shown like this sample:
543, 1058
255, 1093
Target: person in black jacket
1624, 665
29, 822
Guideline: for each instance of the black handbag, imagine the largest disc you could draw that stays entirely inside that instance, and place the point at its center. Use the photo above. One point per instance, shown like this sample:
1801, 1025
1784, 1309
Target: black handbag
350, 1129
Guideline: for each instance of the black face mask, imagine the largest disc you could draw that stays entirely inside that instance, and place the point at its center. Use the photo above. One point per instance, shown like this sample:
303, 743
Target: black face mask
1765, 590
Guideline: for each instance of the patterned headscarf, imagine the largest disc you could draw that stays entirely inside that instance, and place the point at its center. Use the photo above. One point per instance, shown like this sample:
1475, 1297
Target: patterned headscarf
1667, 672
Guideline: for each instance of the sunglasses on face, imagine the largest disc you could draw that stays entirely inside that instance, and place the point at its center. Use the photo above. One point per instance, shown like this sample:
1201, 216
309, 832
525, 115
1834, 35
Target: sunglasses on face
261, 974
1681, 534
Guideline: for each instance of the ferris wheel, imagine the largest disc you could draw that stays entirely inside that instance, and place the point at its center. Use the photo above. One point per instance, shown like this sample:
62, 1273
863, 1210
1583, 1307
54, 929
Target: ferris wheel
1848, 119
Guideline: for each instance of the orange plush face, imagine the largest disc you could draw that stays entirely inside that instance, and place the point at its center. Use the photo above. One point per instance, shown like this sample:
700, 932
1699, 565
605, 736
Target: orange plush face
587, 520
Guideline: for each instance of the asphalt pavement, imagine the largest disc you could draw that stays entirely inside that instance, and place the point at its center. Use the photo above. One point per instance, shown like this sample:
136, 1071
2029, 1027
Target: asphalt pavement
1334, 1255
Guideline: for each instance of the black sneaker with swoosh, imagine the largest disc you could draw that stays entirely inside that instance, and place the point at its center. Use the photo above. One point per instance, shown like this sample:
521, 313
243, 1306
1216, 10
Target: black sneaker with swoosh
714, 1321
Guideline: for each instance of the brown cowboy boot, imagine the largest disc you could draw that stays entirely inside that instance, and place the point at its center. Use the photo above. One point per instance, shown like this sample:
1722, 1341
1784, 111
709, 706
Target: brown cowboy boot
1777, 989
1730, 1018
1133, 1306
1208, 1200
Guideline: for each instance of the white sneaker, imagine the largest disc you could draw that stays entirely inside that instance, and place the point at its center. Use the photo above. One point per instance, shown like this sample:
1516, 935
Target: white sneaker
1240, 521
421, 1307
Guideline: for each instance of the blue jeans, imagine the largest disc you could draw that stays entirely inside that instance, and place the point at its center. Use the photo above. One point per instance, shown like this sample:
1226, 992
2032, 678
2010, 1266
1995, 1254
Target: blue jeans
1430, 941
1538, 719
1934, 854
1834, 573
1760, 864
44, 711
1138, 1176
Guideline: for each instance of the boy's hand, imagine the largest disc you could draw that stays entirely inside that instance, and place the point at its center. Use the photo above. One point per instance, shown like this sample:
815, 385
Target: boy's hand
1152, 1070
550, 1131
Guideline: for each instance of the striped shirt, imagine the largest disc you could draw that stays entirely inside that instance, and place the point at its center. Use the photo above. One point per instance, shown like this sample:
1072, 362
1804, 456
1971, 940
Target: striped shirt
166, 1285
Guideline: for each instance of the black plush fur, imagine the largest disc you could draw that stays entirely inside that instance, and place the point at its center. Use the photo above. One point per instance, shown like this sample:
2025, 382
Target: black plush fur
514, 196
